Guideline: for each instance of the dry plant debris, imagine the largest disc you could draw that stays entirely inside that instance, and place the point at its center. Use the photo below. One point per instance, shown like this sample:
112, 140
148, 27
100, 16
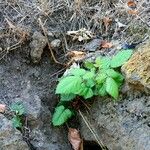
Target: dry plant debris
75, 139
106, 44
81, 35
131, 4
2, 108
76, 55
107, 21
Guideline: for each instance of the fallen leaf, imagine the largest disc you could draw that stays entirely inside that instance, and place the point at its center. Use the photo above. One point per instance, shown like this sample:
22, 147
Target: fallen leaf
74, 138
76, 55
2, 108
106, 44
131, 4
133, 12
107, 21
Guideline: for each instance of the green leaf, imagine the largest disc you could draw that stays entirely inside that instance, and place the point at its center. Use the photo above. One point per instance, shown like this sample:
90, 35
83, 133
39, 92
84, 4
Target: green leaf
102, 91
103, 62
16, 121
97, 88
101, 78
88, 75
119, 80
114, 74
18, 108
77, 72
118, 77
121, 57
86, 93
90, 83
67, 97
112, 87
89, 65
61, 115
69, 85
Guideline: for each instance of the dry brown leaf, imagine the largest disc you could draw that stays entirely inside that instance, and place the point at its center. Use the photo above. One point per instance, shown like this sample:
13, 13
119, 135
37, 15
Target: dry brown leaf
107, 21
131, 4
2, 108
133, 12
106, 44
76, 55
74, 138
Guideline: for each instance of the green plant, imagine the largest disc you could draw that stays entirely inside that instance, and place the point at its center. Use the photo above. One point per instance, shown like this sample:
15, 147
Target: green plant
99, 78
19, 111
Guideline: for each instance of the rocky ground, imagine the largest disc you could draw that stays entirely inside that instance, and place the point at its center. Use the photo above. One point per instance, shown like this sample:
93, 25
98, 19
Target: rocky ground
28, 72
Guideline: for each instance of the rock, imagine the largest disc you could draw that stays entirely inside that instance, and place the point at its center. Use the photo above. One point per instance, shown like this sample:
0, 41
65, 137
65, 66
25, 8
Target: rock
93, 45
46, 137
137, 69
55, 43
40, 141
37, 45
32, 86
10, 138
120, 126
32, 105
50, 35
42, 135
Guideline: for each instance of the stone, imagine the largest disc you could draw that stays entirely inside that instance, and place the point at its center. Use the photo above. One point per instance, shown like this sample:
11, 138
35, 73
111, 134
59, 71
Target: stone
10, 138
120, 126
37, 45
137, 69
37, 97
93, 45
32, 105
55, 43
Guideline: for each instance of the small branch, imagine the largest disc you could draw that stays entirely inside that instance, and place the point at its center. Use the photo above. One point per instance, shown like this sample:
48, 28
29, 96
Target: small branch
92, 131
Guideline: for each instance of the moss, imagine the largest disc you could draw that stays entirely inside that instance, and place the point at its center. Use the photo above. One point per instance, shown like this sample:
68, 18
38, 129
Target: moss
138, 67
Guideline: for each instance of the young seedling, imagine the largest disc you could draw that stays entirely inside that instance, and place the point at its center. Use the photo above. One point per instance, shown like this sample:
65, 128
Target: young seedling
19, 111
100, 78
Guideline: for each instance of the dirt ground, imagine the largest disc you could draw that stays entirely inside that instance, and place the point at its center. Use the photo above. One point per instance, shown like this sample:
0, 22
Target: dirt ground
34, 84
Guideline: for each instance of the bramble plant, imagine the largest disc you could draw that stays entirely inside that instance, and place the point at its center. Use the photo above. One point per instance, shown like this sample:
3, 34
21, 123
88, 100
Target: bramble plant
18, 110
100, 78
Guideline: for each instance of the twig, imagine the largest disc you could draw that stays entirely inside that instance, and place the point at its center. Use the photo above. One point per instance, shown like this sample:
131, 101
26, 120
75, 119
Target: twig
49, 45
92, 131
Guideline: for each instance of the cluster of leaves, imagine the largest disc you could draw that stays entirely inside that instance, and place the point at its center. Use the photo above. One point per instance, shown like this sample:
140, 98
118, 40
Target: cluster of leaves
99, 78
19, 111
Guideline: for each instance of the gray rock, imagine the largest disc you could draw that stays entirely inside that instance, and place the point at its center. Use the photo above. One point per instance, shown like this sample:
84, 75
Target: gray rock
93, 45
37, 97
120, 126
40, 141
32, 105
37, 45
55, 43
10, 138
